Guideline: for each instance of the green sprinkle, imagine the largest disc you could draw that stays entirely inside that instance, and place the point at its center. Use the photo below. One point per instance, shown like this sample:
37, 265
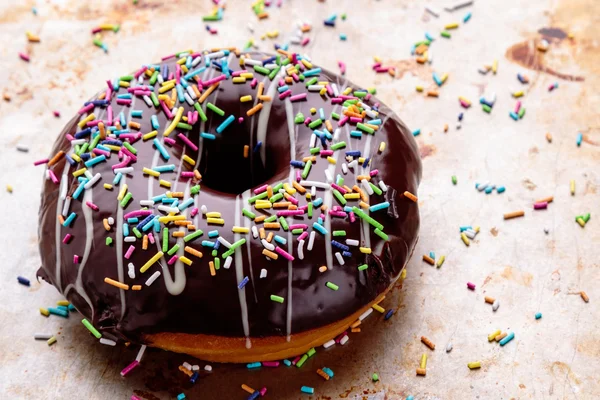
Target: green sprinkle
272, 218
299, 118
372, 90
215, 109
253, 199
335, 116
277, 187
95, 142
486, 108
237, 244
261, 70
454, 180
364, 216
339, 197
214, 253
302, 361
130, 147
381, 234
198, 108
521, 112
154, 99
137, 233
195, 190
306, 168
173, 249
297, 231
217, 263
126, 199
311, 81
586, 217
311, 352
446, 34
363, 267
153, 78
375, 189
332, 286
126, 78
310, 210
315, 123
227, 253
278, 299
193, 235
339, 233
210, 18
91, 328
183, 125
360, 94
315, 150
274, 73
248, 213
301, 77
165, 244
283, 223
339, 145
276, 197
108, 241
340, 181
375, 377
365, 128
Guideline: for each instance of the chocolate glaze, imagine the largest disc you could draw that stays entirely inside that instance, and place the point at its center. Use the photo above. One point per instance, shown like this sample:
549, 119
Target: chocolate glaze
210, 305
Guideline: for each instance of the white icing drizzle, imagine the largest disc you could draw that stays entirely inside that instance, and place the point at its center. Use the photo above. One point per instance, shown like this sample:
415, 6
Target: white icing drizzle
289, 113
263, 118
245, 197
119, 248
207, 71
63, 187
239, 273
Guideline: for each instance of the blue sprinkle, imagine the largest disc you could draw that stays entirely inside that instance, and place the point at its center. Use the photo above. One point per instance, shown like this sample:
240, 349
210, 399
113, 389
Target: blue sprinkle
464, 228
166, 200
353, 153
432, 254
125, 229
23, 281
83, 133
253, 365
149, 224
538, 315
180, 396
164, 168
389, 314
307, 389
322, 114
429, 37
339, 245
133, 220
79, 190
297, 164
437, 79
489, 189
257, 147
243, 282
283, 88
328, 371
158, 198
213, 234
343, 36
280, 239
467, 17
380, 206
96, 160
366, 163
194, 377
186, 204
112, 142
217, 245
514, 115
500, 189
117, 178
208, 243
346, 254
124, 96
70, 160
208, 136
71, 308
269, 60
356, 134
59, 312
312, 72
70, 218
319, 228
579, 138
318, 202
416, 132
161, 149
179, 90
507, 339
156, 225
122, 119
254, 395
460, 116
287, 363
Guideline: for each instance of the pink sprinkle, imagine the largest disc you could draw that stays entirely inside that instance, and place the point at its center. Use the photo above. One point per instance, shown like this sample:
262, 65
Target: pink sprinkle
130, 154
295, 360
380, 70
540, 206
368, 97
53, 177
171, 76
69, 137
285, 94
140, 71
236, 73
307, 121
336, 100
464, 104
517, 107
298, 176
169, 141
101, 152
129, 251
212, 81
151, 238
91, 205
93, 123
376, 65
187, 174
253, 83
298, 226
304, 207
24, 57
296, 77
298, 97
167, 57
303, 236
137, 214
139, 92
190, 117
281, 83
166, 110
67, 238
75, 259
352, 217
325, 153
342, 67
128, 136
289, 213
109, 113
56, 113
329, 90
340, 337
134, 397
187, 141
194, 212
240, 120
339, 188
263, 391
177, 74
355, 120
128, 368
260, 189
272, 364
339, 214
343, 120
172, 260
96, 30
123, 102
86, 109
471, 285
305, 42
374, 172
292, 200
284, 254
345, 97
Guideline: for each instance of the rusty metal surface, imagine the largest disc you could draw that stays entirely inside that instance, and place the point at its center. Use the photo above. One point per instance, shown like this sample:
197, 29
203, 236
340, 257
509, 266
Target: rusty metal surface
514, 261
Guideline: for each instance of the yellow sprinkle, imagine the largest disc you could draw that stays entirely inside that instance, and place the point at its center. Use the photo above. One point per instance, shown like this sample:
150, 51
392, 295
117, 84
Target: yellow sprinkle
51, 341
79, 172
123, 84
378, 308
381, 147
245, 99
453, 25
419, 88
165, 88
75, 157
580, 221
149, 135
423, 361
218, 221
44, 312
518, 94
63, 303
495, 67
113, 147
331, 160
238, 79
174, 123
108, 186
259, 206
313, 110
352, 196
307, 64
464, 238
247, 75
171, 218
165, 183
188, 160
151, 261
213, 214
240, 229
323, 91
288, 189
376, 59
347, 91
87, 119
444, 77
365, 250
493, 335
122, 192
572, 187
149, 171
403, 274
361, 160
474, 365
185, 260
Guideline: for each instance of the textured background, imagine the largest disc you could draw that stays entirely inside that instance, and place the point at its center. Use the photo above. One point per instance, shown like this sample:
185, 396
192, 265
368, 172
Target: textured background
528, 271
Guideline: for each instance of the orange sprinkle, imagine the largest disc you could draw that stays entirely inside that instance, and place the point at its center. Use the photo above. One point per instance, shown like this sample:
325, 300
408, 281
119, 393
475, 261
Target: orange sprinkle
428, 342
421, 371
178, 234
272, 225
355, 330
211, 265
270, 254
410, 196
428, 259
106, 225
254, 109
185, 371
548, 199
246, 151
101, 129
191, 228
445, 127
134, 125
421, 60
356, 324
421, 49
361, 177
196, 90
197, 174
270, 237
116, 284
182, 223
299, 188
489, 300
136, 287
322, 268
584, 296
322, 374
432, 93
514, 214
260, 89
269, 191
248, 388
61, 220
207, 92
265, 98
549, 137
56, 158
500, 336
145, 242
261, 232
282, 204
193, 251
260, 219
328, 125
311, 158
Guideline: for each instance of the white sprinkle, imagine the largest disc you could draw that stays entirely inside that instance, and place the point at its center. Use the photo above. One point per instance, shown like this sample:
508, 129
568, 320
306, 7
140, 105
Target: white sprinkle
147, 100
311, 241
208, 368
449, 348
433, 11
344, 168
271, 66
334, 87
195, 367
129, 239
382, 186
250, 61
315, 88
263, 273
204, 209
224, 242
481, 187
154, 277
147, 203
458, 4
188, 99
254, 231
352, 242
328, 176
187, 365
23, 149
352, 164
313, 191
267, 245
344, 340
228, 262
88, 174
295, 40
42, 336
131, 270
317, 184
371, 114
160, 78
75, 142
111, 220
339, 258
496, 305
313, 140
66, 206
365, 314
301, 250
196, 61
191, 92
470, 233
216, 54
367, 187
108, 342
329, 344
168, 209
250, 27
140, 353
93, 181
429, 56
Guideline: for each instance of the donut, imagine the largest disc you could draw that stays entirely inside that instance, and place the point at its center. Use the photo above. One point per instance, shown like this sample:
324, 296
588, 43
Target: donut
237, 207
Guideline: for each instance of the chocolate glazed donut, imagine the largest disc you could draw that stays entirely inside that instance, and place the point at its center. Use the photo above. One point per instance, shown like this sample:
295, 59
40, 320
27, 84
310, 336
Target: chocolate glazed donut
187, 309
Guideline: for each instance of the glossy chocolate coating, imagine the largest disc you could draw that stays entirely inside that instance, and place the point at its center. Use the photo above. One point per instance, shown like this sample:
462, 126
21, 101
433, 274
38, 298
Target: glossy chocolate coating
210, 305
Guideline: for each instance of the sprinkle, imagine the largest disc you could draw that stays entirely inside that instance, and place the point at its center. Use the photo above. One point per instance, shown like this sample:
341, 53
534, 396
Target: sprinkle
584, 296
421, 372
428, 259
277, 299
332, 286
514, 214
538, 315
51, 341
91, 328
410, 196
117, 284
474, 365
151, 262
307, 389
507, 339
23, 281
